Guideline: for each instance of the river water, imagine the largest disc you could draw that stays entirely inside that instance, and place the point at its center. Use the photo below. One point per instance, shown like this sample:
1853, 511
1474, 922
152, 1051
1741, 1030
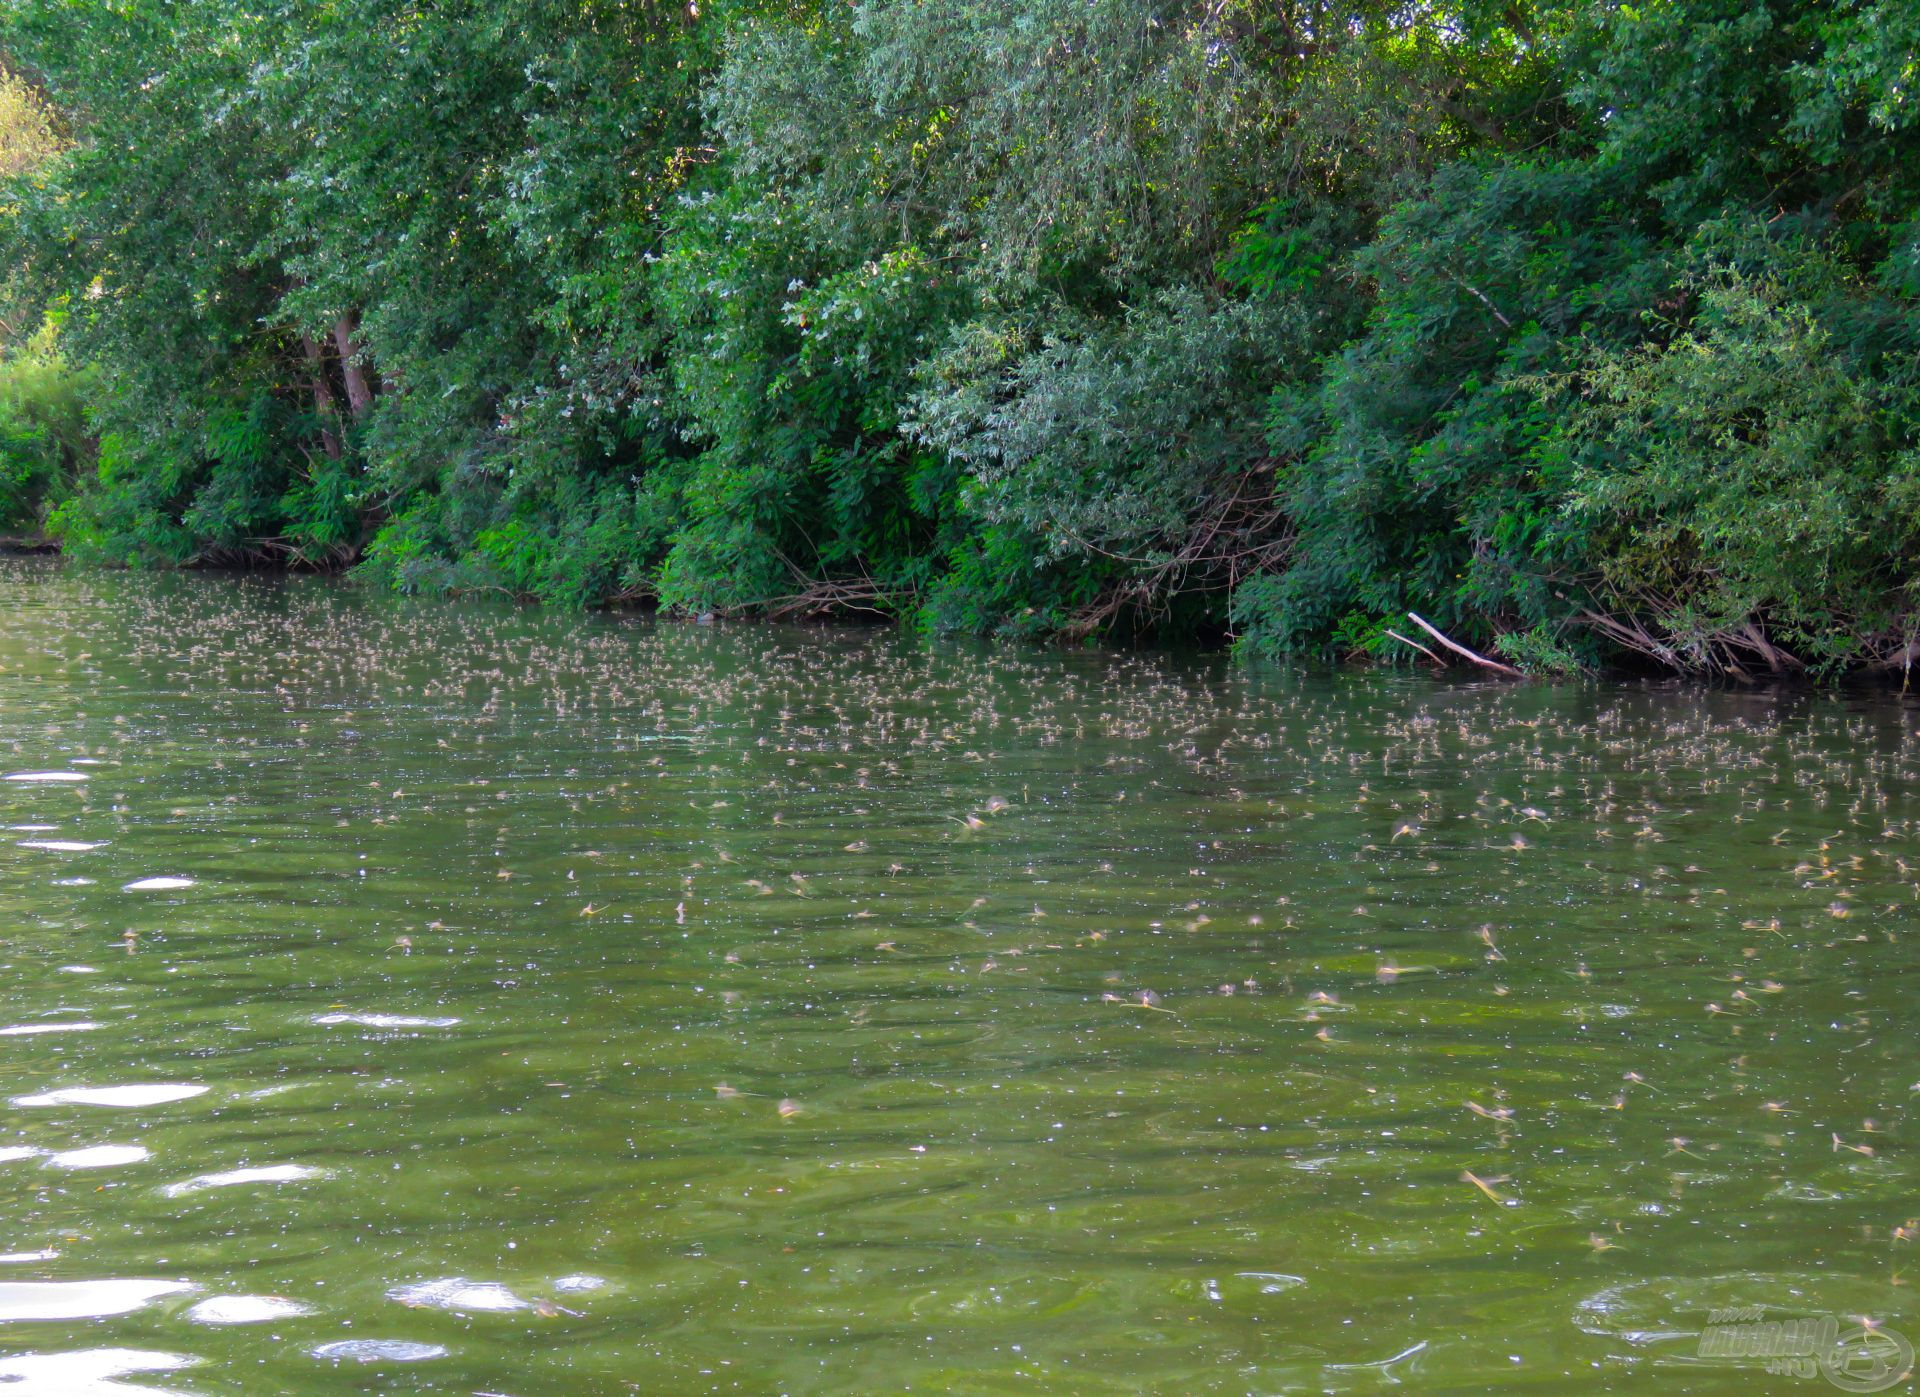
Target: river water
449, 997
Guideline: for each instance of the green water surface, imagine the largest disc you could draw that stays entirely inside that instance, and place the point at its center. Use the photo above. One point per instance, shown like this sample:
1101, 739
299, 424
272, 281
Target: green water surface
588, 1005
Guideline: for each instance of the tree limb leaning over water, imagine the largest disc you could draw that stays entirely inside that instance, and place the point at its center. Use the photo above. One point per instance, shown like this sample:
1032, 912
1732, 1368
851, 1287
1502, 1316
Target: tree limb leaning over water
1462, 650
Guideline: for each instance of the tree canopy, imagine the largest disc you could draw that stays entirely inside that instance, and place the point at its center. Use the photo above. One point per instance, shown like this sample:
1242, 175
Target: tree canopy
1588, 331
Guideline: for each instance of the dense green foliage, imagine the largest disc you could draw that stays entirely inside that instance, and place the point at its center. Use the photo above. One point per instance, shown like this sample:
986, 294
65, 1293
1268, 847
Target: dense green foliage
46, 442
1585, 331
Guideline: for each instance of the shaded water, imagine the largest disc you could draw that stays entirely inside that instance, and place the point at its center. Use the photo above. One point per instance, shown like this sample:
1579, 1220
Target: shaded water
451, 998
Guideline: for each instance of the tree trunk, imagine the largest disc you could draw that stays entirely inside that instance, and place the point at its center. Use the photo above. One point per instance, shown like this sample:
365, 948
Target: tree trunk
323, 402
359, 391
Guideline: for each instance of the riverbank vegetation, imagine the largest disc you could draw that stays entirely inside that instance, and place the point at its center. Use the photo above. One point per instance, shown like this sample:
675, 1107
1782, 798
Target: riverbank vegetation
1590, 332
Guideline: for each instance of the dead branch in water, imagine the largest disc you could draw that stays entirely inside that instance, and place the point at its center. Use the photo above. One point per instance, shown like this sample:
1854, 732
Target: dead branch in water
1418, 646
1243, 532
1462, 650
826, 596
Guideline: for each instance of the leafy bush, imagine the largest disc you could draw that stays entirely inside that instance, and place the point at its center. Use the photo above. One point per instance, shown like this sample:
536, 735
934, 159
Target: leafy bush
45, 442
1127, 447
1738, 488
